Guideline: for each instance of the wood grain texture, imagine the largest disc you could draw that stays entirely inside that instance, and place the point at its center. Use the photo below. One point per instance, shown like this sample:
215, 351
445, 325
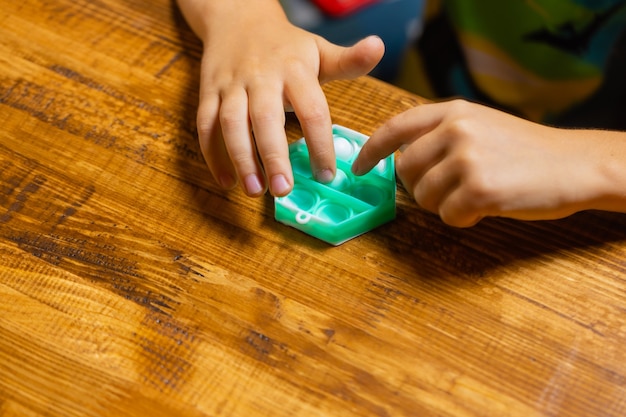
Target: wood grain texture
130, 285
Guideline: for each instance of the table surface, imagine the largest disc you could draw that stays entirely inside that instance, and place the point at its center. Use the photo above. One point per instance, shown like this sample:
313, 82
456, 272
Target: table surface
131, 285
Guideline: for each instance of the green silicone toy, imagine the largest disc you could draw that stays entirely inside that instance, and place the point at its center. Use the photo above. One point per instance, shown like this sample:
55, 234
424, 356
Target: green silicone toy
348, 206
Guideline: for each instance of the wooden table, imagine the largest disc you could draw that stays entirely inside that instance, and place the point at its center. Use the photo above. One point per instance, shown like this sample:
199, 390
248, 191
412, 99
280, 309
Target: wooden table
131, 286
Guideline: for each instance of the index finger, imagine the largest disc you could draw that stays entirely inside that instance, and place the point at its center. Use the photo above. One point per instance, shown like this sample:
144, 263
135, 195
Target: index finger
401, 130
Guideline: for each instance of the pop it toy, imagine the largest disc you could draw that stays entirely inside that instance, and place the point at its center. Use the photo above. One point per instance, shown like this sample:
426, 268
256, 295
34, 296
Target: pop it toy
348, 206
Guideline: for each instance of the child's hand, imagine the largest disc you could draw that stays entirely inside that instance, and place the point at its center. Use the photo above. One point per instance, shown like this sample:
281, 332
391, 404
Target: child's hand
465, 161
255, 66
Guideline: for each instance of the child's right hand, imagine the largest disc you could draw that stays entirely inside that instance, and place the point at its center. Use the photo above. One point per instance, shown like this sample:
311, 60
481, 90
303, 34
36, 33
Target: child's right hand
255, 66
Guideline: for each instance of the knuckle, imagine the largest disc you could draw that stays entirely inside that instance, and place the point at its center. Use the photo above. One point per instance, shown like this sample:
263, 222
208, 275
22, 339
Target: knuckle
320, 154
466, 161
459, 123
453, 219
314, 115
394, 124
205, 129
480, 189
458, 106
424, 196
230, 120
205, 121
271, 158
242, 161
273, 161
458, 213
264, 116
423, 201
296, 67
460, 130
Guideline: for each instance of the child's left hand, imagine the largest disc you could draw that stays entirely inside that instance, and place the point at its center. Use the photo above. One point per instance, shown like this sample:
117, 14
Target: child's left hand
465, 161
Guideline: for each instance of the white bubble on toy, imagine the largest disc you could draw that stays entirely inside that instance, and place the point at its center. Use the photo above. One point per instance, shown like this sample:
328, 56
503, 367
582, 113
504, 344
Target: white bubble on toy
341, 181
381, 167
369, 194
334, 213
302, 198
301, 166
343, 148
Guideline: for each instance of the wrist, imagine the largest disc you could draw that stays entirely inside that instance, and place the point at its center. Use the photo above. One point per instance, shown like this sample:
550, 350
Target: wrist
211, 19
603, 185
612, 172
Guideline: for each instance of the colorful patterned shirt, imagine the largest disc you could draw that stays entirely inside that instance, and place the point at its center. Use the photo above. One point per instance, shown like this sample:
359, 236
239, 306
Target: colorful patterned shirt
554, 61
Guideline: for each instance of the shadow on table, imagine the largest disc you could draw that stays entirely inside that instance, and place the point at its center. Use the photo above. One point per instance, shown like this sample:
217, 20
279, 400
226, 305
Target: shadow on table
421, 238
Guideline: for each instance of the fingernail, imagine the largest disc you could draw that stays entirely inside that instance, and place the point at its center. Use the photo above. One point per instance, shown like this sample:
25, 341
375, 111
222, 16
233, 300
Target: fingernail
227, 181
253, 184
324, 176
279, 185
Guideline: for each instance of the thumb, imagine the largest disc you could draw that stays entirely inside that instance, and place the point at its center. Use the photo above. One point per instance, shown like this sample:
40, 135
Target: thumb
338, 62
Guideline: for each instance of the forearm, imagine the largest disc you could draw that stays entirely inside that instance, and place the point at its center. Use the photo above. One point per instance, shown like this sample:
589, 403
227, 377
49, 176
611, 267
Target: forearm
211, 16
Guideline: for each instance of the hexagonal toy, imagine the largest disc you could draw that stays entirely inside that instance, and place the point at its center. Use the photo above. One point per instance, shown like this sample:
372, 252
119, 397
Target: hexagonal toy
348, 206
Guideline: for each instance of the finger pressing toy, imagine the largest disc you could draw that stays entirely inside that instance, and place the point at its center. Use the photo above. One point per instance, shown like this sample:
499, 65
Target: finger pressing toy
346, 207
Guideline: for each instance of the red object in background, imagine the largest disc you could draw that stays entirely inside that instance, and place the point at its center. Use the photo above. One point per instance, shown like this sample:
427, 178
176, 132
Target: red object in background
341, 7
